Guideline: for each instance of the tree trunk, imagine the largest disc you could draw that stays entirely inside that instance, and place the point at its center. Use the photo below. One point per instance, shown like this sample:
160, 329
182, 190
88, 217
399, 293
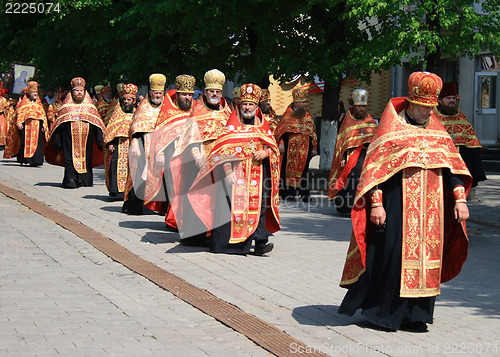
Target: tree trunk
329, 112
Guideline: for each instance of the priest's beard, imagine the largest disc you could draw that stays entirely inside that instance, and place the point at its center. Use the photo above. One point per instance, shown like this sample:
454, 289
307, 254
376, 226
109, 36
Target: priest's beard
247, 114
213, 100
78, 98
299, 112
185, 105
448, 110
156, 101
128, 108
265, 108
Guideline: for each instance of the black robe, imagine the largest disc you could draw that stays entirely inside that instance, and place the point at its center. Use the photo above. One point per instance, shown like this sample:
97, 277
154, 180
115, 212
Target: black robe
376, 291
37, 158
62, 140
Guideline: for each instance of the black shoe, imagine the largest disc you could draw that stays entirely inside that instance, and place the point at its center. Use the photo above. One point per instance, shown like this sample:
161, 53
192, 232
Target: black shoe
262, 249
71, 183
414, 326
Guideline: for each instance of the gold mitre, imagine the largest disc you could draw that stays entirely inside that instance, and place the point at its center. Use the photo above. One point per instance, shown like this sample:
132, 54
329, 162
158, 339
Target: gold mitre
98, 88
214, 79
157, 81
32, 86
265, 95
299, 95
360, 96
236, 92
185, 83
119, 87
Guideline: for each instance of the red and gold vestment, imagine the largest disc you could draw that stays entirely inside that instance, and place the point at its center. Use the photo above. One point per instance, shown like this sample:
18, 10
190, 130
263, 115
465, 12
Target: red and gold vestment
81, 116
32, 115
460, 130
353, 135
301, 132
118, 127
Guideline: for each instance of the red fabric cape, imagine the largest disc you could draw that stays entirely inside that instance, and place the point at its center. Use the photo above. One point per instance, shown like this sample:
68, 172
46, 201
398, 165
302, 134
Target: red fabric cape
68, 114
460, 130
353, 133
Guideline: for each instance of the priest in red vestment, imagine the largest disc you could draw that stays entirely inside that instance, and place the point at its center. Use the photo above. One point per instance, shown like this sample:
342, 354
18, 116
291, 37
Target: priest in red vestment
297, 140
236, 193
268, 111
76, 138
30, 130
353, 138
175, 110
203, 127
409, 214
461, 131
143, 124
117, 141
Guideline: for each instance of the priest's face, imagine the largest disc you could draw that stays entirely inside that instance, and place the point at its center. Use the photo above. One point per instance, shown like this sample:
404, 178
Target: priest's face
248, 109
449, 105
300, 109
265, 106
213, 96
156, 97
128, 104
420, 113
78, 94
33, 96
359, 111
184, 100
236, 101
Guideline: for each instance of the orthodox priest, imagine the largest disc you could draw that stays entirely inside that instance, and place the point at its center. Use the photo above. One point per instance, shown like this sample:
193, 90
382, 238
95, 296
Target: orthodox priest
461, 131
31, 129
143, 124
77, 134
296, 136
204, 125
267, 110
242, 205
409, 214
174, 112
353, 138
117, 141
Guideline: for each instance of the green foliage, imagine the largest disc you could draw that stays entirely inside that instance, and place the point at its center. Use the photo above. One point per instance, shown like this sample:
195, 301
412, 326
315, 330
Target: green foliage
110, 41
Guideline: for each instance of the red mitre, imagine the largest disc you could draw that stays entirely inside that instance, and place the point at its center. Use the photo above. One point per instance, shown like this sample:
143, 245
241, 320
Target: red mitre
449, 88
130, 90
250, 93
424, 88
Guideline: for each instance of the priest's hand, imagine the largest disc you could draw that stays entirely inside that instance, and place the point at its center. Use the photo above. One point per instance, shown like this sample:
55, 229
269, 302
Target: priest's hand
230, 178
342, 163
377, 215
19, 126
159, 165
134, 150
461, 211
282, 149
199, 161
260, 155
314, 152
111, 148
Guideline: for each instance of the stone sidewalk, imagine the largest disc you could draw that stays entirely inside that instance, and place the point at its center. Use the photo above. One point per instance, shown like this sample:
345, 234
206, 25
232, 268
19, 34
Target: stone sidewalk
295, 288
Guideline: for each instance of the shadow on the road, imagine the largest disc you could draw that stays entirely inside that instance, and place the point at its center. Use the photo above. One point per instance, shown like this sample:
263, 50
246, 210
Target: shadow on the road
322, 315
183, 248
160, 237
476, 286
112, 208
102, 198
158, 226
49, 184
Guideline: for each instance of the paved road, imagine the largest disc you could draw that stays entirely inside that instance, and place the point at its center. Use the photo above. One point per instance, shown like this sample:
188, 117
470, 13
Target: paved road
60, 295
